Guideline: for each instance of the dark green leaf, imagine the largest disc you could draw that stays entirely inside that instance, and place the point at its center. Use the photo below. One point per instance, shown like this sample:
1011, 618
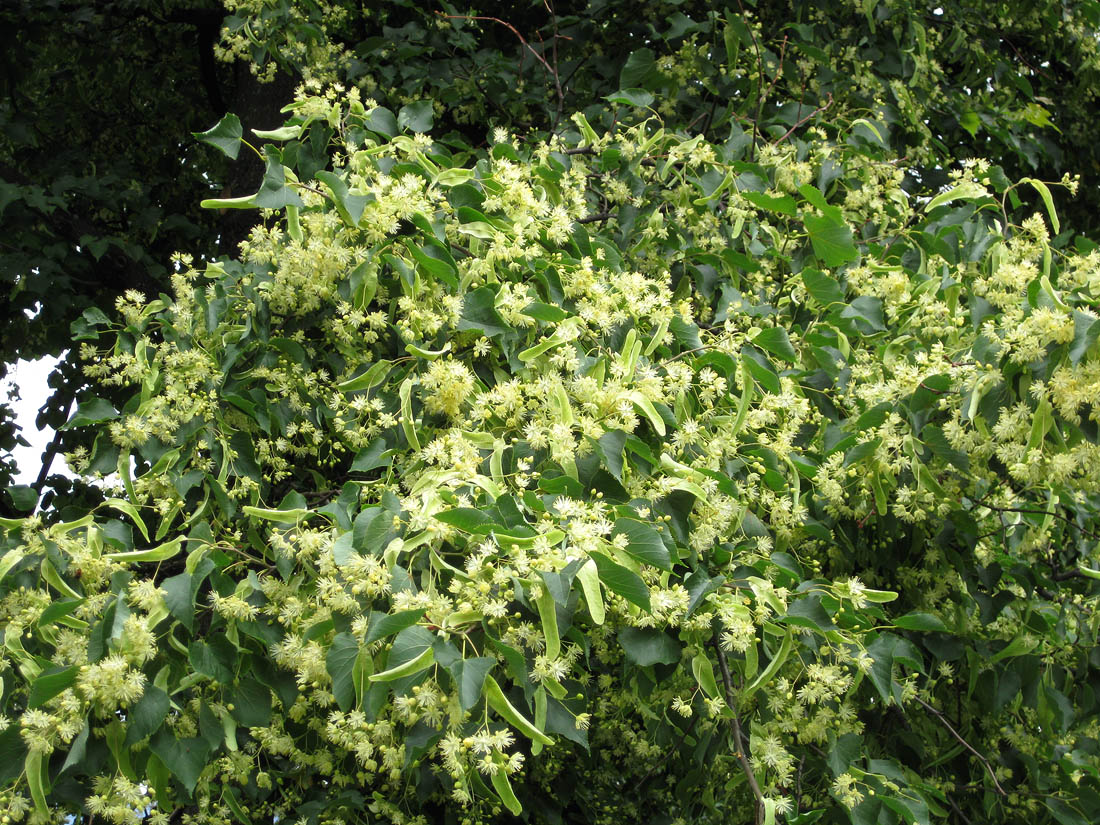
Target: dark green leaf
363, 528
787, 563
178, 596
49, 684
349, 206
469, 676
610, 449
185, 758
825, 290
545, 312
383, 625
251, 703
814, 197
144, 718
210, 727
281, 683
644, 543
806, 817
275, 192
294, 351
561, 721
180, 592
418, 739
761, 369
937, 442
866, 313
807, 611
23, 497
776, 341
225, 135
782, 204
381, 120
645, 646
687, 334
699, 585
920, 621
340, 662
410, 643
371, 457
12, 752
437, 268
58, 610
1086, 328
631, 97
416, 117
217, 659
559, 584
1064, 814
517, 666
77, 751
844, 753
342, 548
640, 71
1062, 709
881, 652
89, 412
831, 240
468, 520
622, 581
479, 313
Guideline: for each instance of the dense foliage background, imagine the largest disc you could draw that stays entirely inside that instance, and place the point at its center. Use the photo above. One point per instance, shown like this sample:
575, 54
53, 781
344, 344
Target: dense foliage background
589, 413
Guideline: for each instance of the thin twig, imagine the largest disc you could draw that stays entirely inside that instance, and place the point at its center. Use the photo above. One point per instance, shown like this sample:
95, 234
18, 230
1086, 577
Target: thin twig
798, 783
561, 97
760, 94
1024, 510
1023, 60
964, 743
1065, 575
550, 69
779, 71
703, 348
800, 121
684, 734
955, 808
738, 740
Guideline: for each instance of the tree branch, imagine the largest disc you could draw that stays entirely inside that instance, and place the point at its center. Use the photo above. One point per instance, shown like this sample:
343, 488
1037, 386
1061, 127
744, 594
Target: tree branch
599, 216
51, 450
964, 743
738, 739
